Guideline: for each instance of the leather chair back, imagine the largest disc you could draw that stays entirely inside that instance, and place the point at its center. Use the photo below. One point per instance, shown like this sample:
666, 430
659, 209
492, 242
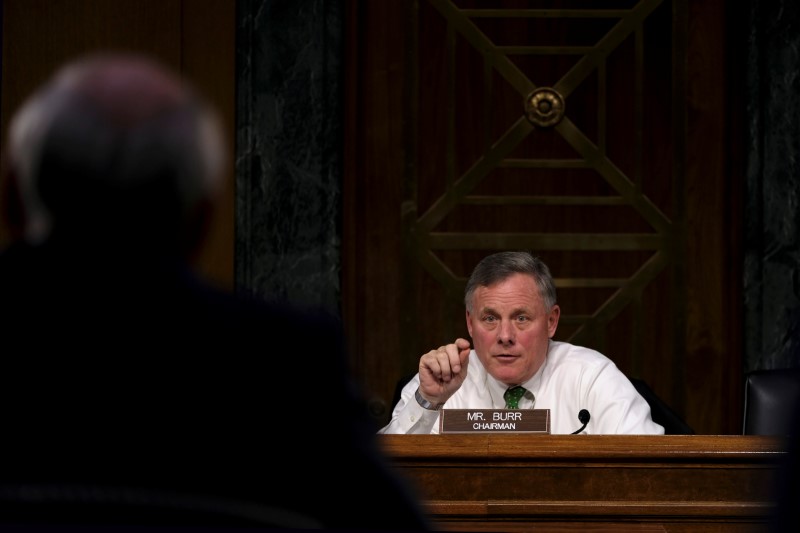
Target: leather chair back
771, 400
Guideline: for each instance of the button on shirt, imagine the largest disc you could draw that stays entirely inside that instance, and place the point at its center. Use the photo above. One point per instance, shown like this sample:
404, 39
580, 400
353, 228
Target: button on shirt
572, 378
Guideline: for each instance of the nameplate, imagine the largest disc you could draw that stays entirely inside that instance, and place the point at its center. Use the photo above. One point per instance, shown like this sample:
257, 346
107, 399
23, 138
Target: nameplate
494, 421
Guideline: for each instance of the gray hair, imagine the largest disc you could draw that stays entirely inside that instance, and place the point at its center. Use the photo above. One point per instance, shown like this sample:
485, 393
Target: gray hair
121, 137
502, 265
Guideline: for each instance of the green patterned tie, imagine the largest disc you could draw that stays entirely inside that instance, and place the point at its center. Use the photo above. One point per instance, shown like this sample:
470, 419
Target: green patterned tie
512, 397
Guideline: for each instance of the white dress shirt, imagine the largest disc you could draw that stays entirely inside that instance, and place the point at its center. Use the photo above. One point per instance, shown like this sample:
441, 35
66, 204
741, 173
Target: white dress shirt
572, 378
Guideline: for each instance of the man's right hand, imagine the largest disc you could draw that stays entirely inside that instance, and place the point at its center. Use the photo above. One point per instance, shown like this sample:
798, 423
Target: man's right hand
442, 371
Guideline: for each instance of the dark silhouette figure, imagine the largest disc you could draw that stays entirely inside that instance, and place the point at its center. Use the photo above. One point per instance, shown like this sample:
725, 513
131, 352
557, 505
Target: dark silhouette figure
133, 392
786, 518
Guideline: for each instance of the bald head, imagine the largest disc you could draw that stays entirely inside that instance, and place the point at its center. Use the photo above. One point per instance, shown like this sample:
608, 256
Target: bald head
128, 90
117, 149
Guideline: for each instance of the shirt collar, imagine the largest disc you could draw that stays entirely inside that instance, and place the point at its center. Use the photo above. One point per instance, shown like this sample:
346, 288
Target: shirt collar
498, 388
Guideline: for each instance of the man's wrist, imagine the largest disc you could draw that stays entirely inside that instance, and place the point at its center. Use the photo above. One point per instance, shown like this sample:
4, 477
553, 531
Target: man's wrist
425, 404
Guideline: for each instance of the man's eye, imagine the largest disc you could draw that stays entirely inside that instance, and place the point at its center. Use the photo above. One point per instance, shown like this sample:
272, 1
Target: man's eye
522, 318
489, 318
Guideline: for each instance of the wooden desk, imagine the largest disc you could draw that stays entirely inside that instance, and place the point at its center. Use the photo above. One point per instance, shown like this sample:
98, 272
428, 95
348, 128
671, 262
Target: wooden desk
497, 482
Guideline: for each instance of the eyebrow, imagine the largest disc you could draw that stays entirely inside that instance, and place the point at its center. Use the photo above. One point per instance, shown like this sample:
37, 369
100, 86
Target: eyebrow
514, 312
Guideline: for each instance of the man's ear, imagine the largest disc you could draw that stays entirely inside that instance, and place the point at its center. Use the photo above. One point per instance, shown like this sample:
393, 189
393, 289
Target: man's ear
552, 320
469, 323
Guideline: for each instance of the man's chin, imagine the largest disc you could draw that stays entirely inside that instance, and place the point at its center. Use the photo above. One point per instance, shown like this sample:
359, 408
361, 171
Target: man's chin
507, 370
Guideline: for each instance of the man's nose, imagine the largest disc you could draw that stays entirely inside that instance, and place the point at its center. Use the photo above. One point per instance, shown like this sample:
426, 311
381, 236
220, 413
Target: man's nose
505, 334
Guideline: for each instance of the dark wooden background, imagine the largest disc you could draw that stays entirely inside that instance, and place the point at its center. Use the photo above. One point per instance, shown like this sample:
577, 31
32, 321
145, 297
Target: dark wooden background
424, 101
632, 200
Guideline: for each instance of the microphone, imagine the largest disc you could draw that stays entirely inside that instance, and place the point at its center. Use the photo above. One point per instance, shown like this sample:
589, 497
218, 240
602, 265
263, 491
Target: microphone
584, 417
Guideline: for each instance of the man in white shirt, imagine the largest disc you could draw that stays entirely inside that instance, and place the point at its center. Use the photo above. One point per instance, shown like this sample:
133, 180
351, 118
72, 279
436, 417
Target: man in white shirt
512, 315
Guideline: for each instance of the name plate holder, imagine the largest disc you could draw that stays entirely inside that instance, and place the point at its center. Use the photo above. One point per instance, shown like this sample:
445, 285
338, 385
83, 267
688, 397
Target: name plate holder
494, 421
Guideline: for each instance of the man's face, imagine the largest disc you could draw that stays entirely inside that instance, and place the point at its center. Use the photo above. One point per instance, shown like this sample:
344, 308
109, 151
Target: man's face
511, 329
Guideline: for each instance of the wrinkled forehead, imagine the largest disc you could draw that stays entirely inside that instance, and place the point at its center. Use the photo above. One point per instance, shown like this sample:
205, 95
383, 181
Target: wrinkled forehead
518, 291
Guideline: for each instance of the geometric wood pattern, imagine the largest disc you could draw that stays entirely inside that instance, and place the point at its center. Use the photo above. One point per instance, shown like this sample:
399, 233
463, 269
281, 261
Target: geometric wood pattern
630, 199
591, 194
590, 154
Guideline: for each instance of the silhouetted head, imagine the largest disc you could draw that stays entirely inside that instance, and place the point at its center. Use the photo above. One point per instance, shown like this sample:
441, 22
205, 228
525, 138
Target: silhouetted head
117, 152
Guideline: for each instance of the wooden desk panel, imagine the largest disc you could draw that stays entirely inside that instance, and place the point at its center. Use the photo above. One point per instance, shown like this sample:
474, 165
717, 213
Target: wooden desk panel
502, 482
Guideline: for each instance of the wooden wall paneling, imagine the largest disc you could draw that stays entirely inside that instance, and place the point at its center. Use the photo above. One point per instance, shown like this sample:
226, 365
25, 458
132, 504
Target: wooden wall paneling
374, 167
208, 51
713, 367
40, 35
568, 225
600, 196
